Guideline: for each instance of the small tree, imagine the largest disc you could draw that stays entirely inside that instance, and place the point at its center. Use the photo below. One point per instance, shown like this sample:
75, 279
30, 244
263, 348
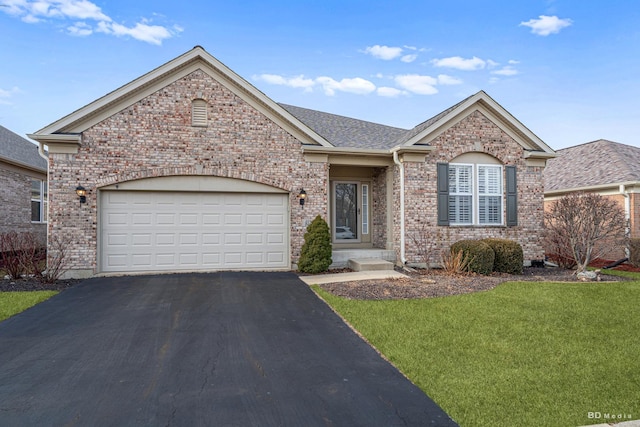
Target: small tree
585, 226
316, 251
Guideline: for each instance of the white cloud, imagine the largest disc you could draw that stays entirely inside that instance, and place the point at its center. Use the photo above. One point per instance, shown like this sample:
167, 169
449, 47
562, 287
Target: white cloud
384, 52
446, 80
80, 29
505, 71
5, 95
460, 63
513, 62
546, 25
295, 82
422, 85
409, 58
153, 34
389, 92
356, 85
80, 11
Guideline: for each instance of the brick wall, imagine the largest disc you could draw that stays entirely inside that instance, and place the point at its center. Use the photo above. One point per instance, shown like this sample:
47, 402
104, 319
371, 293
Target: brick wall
475, 133
15, 203
154, 137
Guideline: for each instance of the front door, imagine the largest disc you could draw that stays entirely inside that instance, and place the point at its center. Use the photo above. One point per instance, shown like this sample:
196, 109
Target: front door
350, 212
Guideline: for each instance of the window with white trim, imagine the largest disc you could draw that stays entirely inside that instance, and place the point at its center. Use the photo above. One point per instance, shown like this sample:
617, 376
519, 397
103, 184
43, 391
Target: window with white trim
475, 194
38, 200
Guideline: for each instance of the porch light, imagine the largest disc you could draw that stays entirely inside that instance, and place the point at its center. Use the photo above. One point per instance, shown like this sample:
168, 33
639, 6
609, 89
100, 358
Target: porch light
302, 196
82, 193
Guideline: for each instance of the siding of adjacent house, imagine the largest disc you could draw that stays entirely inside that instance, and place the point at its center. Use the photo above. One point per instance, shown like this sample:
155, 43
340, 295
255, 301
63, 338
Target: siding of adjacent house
19, 164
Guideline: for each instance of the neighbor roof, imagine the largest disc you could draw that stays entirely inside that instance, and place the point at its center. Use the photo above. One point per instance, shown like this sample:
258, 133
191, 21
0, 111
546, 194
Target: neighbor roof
20, 151
595, 163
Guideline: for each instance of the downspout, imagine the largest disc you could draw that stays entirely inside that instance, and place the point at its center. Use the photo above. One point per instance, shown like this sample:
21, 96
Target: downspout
627, 216
397, 161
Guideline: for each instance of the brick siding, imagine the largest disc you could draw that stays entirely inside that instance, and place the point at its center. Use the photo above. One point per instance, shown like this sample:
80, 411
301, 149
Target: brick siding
15, 204
475, 133
154, 138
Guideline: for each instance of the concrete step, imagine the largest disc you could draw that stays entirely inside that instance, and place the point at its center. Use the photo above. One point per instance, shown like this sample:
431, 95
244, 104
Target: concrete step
369, 264
341, 257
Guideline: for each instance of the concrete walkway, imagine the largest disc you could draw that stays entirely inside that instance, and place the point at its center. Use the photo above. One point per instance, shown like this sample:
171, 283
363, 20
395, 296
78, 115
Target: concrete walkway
320, 279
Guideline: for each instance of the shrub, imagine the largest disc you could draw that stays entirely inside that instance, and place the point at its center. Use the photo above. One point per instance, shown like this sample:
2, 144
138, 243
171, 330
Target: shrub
20, 254
455, 262
634, 252
316, 250
481, 256
509, 256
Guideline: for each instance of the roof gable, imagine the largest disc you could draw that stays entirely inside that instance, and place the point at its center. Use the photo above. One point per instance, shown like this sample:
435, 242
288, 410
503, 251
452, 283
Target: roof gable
197, 58
20, 151
594, 164
427, 131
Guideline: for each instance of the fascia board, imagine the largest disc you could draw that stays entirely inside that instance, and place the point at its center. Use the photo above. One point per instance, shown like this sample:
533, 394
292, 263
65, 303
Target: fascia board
197, 58
601, 187
345, 151
492, 110
21, 165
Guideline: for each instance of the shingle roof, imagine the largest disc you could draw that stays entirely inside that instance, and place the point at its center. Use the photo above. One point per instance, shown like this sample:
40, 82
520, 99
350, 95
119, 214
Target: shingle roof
17, 149
595, 163
424, 125
343, 131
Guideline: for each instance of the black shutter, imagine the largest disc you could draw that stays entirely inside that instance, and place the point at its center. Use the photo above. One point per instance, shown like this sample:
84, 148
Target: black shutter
512, 196
443, 194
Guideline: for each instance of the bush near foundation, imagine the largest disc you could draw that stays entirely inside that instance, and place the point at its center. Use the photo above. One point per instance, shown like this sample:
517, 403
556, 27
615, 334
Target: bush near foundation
480, 255
509, 257
316, 250
634, 252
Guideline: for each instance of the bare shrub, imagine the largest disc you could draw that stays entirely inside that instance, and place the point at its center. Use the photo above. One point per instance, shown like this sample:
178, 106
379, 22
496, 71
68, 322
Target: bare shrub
455, 262
9, 248
57, 260
425, 240
585, 226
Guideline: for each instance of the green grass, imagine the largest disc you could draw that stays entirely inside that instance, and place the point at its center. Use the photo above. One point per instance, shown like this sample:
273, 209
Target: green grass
525, 354
12, 303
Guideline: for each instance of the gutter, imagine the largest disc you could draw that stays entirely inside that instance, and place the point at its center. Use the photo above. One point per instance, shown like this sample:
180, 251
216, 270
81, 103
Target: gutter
627, 215
397, 161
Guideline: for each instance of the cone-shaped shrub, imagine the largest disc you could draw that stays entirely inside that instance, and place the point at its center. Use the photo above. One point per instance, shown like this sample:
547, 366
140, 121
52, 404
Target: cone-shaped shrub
316, 251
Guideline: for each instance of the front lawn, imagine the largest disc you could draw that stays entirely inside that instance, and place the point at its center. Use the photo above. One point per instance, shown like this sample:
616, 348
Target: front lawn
524, 353
12, 303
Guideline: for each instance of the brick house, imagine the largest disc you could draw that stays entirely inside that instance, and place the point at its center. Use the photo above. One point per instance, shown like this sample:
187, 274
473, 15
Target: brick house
603, 167
190, 167
23, 186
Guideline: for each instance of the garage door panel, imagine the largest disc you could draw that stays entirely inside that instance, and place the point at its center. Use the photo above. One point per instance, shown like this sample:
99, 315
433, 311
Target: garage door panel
148, 231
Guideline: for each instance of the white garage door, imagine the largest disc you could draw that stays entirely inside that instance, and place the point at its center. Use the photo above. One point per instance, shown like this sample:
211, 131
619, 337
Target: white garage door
160, 231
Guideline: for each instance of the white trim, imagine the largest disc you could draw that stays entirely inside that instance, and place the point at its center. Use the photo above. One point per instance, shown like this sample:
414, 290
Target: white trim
195, 59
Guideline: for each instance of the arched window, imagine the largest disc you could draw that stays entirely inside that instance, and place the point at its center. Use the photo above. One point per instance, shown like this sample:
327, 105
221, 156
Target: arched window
471, 191
199, 112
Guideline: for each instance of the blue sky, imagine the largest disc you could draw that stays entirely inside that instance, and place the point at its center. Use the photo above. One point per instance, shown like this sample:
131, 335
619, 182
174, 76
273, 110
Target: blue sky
568, 70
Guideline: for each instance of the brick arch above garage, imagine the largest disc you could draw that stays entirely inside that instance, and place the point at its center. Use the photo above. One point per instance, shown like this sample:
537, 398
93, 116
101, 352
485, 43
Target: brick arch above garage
197, 174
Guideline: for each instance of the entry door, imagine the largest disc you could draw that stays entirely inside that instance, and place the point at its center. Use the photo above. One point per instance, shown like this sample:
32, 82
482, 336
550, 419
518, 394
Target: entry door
350, 212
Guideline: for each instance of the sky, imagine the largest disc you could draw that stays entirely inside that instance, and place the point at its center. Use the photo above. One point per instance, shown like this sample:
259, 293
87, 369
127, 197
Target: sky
569, 70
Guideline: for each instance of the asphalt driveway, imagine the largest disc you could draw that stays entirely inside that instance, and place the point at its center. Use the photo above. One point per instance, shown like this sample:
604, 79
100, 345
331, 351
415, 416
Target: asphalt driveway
219, 349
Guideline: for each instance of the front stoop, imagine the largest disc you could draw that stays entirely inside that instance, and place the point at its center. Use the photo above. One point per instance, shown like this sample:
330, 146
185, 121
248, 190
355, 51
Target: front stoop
369, 264
341, 257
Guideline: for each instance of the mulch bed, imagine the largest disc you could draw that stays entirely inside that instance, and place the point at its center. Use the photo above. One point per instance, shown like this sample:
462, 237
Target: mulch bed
32, 284
433, 283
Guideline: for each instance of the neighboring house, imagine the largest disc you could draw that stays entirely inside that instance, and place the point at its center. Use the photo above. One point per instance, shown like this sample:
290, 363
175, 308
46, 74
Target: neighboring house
23, 186
190, 167
603, 167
